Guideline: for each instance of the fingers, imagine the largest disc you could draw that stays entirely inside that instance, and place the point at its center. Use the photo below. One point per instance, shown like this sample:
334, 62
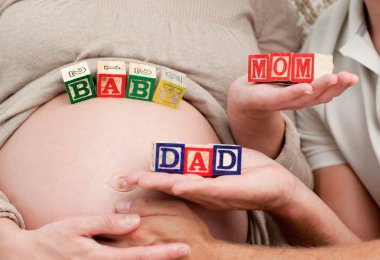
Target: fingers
157, 252
116, 224
153, 207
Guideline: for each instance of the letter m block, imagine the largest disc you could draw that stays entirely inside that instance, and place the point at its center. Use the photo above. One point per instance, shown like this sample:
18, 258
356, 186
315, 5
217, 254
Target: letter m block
168, 157
258, 67
303, 67
227, 160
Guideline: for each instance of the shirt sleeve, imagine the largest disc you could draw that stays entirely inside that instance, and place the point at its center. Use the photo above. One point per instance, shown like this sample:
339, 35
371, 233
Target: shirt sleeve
291, 156
7, 210
317, 143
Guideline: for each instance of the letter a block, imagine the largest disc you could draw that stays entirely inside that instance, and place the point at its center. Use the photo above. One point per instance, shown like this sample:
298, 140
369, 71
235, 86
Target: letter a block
198, 160
78, 82
227, 160
112, 77
170, 89
141, 82
168, 157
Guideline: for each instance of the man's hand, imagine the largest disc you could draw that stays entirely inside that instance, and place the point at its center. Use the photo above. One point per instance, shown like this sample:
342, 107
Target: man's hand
73, 239
167, 221
264, 184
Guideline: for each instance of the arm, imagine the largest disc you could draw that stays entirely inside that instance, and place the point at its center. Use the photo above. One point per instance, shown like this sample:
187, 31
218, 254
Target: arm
339, 187
263, 185
253, 109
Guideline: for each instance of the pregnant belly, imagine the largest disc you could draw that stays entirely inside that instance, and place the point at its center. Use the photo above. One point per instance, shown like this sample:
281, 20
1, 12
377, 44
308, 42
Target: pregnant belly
60, 161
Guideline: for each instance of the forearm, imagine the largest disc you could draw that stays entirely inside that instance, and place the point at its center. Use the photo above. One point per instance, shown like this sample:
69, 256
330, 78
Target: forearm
263, 132
369, 250
308, 221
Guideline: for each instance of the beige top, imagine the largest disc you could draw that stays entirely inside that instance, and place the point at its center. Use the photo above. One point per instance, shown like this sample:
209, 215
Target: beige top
209, 40
346, 130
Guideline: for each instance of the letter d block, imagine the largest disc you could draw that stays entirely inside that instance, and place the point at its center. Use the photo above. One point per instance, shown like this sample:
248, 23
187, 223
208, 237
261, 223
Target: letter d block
78, 82
198, 160
170, 89
141, 82
168, 157
112, 77
227, 160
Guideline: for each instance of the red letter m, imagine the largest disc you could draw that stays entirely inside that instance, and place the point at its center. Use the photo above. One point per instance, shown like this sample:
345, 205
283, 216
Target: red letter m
258, 68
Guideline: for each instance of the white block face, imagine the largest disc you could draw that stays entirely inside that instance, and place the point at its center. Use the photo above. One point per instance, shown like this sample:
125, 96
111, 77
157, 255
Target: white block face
173, 76
75, 71
142, 70
280, 66
112, 67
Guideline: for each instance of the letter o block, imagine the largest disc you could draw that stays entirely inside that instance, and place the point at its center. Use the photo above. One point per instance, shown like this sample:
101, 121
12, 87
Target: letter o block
281, 67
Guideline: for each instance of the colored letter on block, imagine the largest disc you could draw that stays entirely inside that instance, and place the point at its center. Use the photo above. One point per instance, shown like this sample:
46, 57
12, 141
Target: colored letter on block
78, 82
111, 79
258, 68
198, 160
170, 89
168, 157
141, 82
280, 67
227, 160
288, 67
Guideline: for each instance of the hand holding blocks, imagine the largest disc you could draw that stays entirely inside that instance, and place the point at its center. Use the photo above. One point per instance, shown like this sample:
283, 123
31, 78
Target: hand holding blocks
288, 67
78, 82
112, 76
141, 82
203, 160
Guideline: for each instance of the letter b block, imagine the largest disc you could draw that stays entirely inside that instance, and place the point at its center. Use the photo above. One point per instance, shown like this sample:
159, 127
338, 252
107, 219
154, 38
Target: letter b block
78, 82
227, 160
168, 157
141, 82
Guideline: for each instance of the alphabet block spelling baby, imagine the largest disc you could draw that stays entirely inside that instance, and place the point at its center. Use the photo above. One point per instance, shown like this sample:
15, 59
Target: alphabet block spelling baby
204, 160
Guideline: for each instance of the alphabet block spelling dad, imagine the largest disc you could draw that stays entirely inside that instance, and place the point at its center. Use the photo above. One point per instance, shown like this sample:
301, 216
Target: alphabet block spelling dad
204, 160
141, 82
78, 82
288, 67
112, 77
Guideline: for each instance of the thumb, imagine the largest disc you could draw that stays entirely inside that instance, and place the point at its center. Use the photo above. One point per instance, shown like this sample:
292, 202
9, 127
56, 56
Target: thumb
115, 224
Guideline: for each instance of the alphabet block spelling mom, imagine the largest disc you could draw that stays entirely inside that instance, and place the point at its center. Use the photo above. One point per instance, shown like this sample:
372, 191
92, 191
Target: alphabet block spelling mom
288, 67
203, 160
78, 82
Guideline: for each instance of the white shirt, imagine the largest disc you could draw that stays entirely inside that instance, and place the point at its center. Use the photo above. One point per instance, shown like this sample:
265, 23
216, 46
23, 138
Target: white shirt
346, 130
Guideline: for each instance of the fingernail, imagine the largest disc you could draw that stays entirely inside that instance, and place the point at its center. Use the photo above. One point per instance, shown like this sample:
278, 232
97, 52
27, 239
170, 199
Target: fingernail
184, 251
123, 207
309, 92
119, 183
131, 220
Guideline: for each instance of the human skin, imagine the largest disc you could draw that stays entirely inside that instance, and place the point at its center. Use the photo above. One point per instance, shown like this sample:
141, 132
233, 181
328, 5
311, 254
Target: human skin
67, 154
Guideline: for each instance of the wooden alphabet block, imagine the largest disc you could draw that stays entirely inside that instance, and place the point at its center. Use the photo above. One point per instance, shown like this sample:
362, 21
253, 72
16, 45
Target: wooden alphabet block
227, 160
141, 82
198, 160
168, 157
170, 89
78, 82
288, 67
111, 79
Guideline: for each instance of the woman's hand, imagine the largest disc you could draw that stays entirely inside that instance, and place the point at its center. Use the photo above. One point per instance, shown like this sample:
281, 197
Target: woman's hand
73, 239
264, 184
253, 109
